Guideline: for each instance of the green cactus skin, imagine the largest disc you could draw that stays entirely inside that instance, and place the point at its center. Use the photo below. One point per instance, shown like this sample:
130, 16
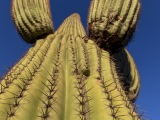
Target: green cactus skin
111, 23
32, 18
64, 78
127, 72
66, 75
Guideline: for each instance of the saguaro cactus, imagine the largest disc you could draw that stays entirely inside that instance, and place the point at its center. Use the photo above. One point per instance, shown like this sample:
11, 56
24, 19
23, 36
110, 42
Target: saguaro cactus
66, 75
32, 19
112, 22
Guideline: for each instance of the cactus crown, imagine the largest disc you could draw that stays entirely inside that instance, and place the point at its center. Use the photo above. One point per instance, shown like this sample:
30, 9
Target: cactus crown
67, 75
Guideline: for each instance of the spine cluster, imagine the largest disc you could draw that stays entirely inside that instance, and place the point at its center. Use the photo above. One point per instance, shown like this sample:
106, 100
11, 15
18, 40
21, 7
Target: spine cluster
111, 23
32, 19
67, 75
64, 78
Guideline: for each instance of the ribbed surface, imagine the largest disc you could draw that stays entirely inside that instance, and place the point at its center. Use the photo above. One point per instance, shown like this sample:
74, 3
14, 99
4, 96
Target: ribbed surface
127, 72
65, 78
111, 23
32, 19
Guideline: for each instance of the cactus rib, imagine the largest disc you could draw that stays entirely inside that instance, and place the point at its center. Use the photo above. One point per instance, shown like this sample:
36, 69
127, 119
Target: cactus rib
67, 75
32, 19
66, 79
111, 23
126, 70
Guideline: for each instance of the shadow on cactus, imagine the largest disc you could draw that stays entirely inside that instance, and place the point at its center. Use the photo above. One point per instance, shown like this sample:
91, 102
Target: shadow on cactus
67, 74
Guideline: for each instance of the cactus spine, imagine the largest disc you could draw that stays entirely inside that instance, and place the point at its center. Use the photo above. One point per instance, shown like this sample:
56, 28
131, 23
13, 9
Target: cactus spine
111, 23
32, 18
67, 76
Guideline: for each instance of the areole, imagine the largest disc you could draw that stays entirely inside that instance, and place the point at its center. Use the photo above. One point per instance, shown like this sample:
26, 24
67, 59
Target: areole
67, 74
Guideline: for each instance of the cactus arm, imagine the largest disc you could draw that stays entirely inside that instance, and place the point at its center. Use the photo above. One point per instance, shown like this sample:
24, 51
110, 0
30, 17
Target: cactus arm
32, 19
135, 80
127, 72
70, 80
109, 22
68, 76
132, 25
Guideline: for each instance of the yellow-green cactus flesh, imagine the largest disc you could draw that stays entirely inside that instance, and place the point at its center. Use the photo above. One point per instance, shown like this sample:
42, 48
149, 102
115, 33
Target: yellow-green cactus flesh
111, 23
32, 19
63, 77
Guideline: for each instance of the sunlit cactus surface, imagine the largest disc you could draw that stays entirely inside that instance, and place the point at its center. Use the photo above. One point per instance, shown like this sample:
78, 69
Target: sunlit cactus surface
67, 74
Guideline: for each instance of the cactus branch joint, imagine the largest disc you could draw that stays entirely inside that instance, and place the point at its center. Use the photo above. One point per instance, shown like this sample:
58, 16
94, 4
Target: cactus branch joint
68, 74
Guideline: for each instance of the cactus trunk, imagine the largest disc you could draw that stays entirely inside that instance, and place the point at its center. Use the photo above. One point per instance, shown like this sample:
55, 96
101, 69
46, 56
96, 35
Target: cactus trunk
67, 75
64, 78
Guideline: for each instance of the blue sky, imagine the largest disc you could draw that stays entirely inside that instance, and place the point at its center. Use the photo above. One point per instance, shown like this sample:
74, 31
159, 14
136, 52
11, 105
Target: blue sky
144, 48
